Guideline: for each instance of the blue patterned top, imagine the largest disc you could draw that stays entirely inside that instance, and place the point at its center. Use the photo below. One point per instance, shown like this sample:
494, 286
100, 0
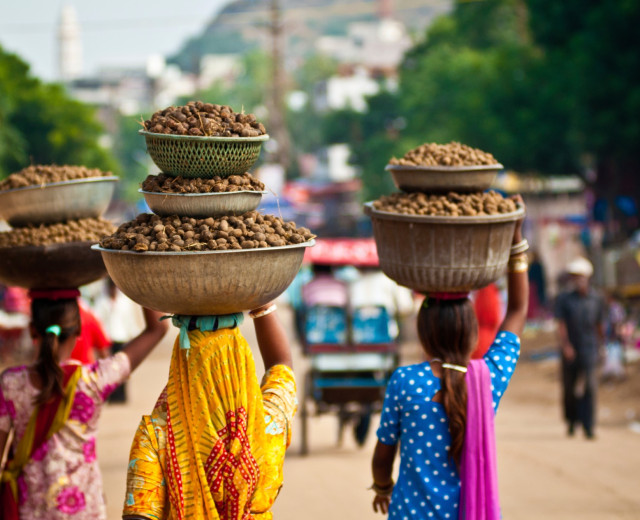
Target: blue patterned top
428, 484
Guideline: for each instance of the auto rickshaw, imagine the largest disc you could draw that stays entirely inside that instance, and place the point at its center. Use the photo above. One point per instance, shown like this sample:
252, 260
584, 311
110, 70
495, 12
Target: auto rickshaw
353, 349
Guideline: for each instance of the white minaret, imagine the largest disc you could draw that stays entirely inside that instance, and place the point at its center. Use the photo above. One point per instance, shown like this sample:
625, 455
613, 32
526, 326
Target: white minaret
69, 45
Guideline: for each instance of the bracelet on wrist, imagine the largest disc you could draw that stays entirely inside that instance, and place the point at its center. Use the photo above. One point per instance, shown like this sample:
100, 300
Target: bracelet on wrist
259, 313
518, 264
519, 247
384, 491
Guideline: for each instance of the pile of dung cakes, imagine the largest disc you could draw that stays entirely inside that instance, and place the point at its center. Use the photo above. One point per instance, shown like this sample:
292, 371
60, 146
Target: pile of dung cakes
55, 213
204, 249
445, 230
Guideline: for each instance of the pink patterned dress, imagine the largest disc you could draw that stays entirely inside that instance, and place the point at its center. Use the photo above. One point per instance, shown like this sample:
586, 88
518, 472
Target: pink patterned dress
62, 480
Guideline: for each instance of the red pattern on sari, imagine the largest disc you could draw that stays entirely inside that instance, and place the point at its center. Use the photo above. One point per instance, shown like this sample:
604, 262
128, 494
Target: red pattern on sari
222, 464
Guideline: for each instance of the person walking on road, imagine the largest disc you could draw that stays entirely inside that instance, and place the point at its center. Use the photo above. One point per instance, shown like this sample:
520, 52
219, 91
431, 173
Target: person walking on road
213, 448
53, 407
440, 413
581, 313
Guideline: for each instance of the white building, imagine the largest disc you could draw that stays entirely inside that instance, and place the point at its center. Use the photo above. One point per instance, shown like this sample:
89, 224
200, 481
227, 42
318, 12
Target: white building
216, 68
375, 45
344, 92
133, 90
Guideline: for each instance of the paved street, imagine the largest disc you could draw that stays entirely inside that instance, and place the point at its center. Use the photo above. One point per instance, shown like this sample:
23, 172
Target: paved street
543, 474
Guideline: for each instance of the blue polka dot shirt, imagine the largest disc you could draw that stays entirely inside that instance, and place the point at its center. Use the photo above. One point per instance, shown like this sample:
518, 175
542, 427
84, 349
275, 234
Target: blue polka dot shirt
428, 484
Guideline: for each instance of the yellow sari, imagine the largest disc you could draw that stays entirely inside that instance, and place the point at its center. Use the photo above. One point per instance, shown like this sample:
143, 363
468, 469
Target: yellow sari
213, 447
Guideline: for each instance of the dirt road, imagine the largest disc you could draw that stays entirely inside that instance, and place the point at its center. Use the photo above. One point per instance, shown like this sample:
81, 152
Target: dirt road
543, 474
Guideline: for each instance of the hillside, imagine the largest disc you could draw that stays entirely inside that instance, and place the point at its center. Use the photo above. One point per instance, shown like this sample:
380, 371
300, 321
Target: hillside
243, 24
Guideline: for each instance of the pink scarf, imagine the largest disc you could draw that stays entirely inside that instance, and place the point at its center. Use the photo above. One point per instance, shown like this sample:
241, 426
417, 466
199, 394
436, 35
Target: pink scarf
478, 466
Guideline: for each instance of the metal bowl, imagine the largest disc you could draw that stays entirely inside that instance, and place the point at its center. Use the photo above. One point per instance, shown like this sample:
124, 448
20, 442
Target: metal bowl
55, 266
206, 157
202, 205
57, 202
443, 178
453, 254
204, 282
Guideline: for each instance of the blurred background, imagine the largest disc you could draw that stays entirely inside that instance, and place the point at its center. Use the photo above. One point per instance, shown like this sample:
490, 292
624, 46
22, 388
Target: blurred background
551, 89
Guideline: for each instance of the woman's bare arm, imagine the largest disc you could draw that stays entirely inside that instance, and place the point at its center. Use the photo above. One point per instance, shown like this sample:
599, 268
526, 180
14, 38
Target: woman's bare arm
272, 339
382, 468
518, 293
140, 346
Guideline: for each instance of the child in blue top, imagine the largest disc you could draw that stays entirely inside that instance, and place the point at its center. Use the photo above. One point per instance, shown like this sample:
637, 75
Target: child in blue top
425, 407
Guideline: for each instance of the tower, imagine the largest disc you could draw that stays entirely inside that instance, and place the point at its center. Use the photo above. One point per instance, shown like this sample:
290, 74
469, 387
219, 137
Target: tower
69, 45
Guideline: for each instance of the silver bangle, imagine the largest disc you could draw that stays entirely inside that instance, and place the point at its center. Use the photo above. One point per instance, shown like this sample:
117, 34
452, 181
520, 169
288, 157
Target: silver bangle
520, 247
263, 312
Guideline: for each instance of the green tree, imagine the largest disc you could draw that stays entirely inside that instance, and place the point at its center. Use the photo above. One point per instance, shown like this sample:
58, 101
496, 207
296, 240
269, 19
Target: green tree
477, 77
374, 138
316, 68
42, 124
591, 52
495, 99
130, 151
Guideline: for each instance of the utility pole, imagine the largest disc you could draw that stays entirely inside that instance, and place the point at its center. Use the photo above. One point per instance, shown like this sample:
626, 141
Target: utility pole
277, 121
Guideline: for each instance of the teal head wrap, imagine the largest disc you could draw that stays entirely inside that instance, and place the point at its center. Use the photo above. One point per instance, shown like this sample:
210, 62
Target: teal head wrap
204, 324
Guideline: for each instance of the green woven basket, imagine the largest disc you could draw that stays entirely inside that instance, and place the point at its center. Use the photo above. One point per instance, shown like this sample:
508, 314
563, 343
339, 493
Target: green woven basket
206, 157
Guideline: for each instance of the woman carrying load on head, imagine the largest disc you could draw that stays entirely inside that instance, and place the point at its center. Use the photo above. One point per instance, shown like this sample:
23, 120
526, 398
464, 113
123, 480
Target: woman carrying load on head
440, 413
214, 445
53, 407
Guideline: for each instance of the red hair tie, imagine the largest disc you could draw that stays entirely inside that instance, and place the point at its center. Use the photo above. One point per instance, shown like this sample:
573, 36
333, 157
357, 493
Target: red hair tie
54, 294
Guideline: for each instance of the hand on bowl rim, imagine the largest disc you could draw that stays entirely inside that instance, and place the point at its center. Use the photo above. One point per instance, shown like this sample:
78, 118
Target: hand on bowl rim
517, 232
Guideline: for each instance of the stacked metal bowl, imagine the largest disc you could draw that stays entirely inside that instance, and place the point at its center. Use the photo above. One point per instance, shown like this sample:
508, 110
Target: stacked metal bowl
204, 282
450, 254
59, 265
430, 253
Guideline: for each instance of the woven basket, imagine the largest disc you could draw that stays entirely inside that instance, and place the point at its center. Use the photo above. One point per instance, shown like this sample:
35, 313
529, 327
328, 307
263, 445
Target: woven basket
206, 157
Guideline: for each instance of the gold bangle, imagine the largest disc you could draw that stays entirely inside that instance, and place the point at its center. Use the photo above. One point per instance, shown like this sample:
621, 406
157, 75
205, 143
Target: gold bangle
518, 264
262, 312
384, 491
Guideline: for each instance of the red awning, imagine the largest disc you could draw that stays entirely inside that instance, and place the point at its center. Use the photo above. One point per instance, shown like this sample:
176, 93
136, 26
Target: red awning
343, 251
